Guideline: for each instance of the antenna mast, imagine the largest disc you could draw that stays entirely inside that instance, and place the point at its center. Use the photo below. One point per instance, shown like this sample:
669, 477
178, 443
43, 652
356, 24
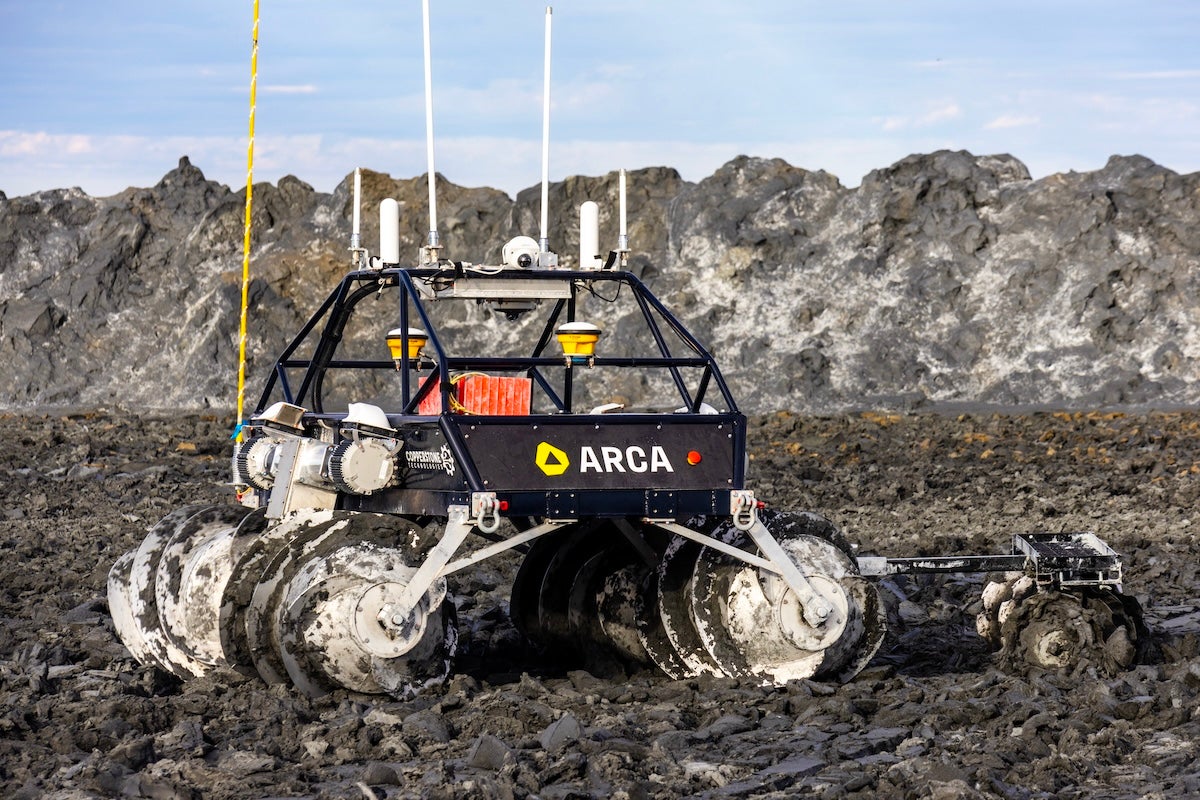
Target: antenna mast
432, 248
623, 228
241, 375
545, 259
358, 254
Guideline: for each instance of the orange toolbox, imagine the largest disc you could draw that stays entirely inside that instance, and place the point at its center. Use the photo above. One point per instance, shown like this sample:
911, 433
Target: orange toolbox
476, 393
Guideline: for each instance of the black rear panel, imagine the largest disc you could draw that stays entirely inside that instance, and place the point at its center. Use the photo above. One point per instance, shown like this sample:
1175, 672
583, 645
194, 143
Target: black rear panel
569, 465
590, 452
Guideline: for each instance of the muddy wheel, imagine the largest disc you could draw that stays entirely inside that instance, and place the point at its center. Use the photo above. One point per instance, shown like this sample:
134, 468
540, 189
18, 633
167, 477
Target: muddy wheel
252, 541
563, 573
594, 606
617, 612
999, 599
527, 587
1057, 630
120, 608
751, 624
652, 634
275, 561
194, 568
333, 634
676, 586
567, 596
316, 617
161, 595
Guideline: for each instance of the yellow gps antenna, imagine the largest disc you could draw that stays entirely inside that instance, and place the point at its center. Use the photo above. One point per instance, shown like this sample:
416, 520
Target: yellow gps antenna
241, 379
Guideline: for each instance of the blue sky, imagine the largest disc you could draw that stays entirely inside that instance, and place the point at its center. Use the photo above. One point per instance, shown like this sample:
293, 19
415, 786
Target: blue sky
108, 95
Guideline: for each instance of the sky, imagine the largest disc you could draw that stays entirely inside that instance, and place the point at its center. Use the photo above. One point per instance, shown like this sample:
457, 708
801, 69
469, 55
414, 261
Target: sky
109, 95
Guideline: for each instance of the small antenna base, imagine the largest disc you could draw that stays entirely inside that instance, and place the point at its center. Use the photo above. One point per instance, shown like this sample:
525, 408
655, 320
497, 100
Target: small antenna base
546, 259
358, 253
432, 250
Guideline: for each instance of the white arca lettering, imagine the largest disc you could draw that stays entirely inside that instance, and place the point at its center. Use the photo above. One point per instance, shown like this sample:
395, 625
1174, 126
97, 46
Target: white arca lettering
632, 459
612, 459
659, 460
588, 461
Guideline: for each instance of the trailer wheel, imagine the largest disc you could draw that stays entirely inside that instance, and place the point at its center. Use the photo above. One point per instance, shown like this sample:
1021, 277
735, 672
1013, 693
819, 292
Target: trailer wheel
1063, 630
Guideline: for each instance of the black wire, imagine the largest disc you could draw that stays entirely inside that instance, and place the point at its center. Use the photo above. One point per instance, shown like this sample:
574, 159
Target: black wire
591, 289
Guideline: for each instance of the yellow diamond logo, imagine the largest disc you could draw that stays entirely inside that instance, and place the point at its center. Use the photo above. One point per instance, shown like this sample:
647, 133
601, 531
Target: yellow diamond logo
551, 460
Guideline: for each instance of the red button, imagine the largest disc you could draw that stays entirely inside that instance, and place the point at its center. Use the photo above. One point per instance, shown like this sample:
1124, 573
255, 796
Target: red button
693, 457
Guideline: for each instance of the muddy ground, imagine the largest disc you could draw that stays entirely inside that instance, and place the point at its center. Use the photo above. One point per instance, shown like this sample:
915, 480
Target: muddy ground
930, 717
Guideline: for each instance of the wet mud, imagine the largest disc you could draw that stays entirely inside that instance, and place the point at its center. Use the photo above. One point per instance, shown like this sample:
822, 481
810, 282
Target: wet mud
933, 715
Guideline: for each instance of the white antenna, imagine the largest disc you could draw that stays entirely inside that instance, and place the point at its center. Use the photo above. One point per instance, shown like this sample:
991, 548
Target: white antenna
356, 250
589, 236
623, 230
434, 245
389, 232
544, 241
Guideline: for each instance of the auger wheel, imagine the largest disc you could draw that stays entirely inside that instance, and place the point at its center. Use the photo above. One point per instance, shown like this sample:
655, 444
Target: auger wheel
575, 591
312, 599
1054, 629
691, 610
164, 596
315, 616
725, 617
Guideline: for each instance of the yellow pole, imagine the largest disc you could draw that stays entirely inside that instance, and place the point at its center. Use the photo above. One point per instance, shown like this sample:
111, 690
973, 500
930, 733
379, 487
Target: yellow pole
241, 379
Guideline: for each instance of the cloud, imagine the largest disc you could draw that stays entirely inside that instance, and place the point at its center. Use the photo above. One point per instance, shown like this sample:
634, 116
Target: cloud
305, 88
934, 116
22, 143
32, 161
1142, 113
104, 165
1011, 121
19, 143
1158, 75
947, 112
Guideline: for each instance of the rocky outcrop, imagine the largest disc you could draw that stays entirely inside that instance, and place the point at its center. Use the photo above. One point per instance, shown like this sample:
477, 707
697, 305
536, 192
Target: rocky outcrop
948, 278
944, 278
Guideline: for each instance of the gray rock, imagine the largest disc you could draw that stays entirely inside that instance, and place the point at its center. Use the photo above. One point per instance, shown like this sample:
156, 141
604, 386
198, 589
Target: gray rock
379, 774
726, 725
796, 766
242, 762
561, 733
945, 278
427, 726
488, 752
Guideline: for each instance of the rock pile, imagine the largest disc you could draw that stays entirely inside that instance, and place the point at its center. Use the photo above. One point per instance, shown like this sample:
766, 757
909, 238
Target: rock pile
943, 278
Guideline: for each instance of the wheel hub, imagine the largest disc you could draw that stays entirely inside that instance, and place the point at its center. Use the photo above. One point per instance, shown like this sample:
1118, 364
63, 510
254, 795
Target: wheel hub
791, 619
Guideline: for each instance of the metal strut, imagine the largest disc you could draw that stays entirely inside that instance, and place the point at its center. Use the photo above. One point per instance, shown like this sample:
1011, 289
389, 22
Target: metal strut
437, 563
1055, 559
817, 609
458, 526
